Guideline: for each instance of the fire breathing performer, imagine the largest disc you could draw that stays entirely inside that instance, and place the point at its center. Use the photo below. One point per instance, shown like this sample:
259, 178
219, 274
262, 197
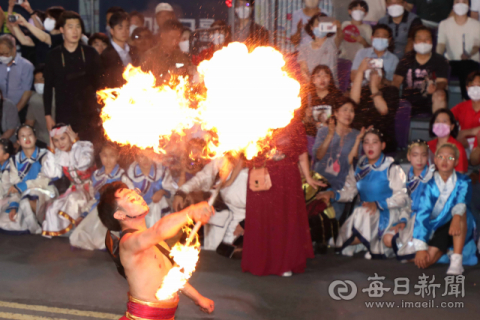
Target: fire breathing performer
142, 254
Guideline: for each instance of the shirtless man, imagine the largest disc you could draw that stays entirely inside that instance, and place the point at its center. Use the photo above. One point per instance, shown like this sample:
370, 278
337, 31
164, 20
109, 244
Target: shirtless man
122, 209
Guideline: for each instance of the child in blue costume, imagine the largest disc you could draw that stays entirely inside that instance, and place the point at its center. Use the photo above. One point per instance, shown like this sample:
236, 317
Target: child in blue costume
29, 191
444, 220
90, 234
147, 176
400, 237
381, 185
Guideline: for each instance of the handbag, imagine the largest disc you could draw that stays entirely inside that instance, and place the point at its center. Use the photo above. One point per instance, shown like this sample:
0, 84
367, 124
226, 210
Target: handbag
259, 179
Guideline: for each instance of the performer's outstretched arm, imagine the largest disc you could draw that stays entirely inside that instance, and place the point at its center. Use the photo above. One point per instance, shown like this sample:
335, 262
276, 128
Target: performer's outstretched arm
205, 304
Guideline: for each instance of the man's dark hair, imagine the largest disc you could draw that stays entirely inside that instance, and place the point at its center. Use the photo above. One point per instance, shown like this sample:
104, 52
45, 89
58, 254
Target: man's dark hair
421, 28
68, 15
170, 25
391, 46
108, 205
139, 15
98, 36
39, 68
471, 76
117, 18
115, 9
356, 3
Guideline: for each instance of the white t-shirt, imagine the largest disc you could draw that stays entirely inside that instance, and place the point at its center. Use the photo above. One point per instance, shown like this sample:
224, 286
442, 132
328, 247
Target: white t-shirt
348, 50
475, 6
451, 34
376, 10
297, 16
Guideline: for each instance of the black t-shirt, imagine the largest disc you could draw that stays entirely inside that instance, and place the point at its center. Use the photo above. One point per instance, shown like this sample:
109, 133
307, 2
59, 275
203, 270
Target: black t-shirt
366, 114
416, 78
42, 49
436, 10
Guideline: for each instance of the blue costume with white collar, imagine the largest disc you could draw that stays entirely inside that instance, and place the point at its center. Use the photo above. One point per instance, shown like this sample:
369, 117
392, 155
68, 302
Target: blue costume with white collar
382, 183
439, 202
90, 234
148, 185
25, 175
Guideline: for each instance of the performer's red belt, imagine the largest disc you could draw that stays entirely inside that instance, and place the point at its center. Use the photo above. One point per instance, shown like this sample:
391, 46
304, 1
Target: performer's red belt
142, 310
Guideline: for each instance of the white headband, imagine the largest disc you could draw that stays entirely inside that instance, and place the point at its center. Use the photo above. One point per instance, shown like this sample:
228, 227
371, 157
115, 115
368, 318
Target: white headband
58, 131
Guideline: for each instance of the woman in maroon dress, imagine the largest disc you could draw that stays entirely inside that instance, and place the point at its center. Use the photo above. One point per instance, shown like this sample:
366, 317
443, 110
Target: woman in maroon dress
277, 237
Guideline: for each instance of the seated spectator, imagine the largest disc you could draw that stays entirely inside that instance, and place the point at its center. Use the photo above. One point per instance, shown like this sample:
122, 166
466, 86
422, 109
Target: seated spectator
43, 39
99, 41
10, 120
109, 14
142, 41
184, 43
423, 74
164, 59
460, 37
467, 113
377, 9
382, 48
299, 19
16, 73
163, 13
319, 99
442, 229
220, 36
117, 56
431, 12
402, 23
322, 50
377, 103
444, 126
136, 20
357, 10
246, 30
333, 145
36, 110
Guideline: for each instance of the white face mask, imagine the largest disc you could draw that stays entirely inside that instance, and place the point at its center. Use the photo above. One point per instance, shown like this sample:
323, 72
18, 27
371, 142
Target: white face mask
5, 60
39, 87
243, 12
184, 46
132, 28
422, 47
474, 93
358, 15
311, 3
395, 10
461, 9
218, 38
49, 24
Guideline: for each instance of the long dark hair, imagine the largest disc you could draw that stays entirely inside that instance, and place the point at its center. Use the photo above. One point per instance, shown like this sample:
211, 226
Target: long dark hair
321, 67
453, 121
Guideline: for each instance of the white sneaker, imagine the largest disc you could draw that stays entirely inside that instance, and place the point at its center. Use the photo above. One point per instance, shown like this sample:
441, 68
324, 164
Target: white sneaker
368, 256
287, 274
349, 251
456, 267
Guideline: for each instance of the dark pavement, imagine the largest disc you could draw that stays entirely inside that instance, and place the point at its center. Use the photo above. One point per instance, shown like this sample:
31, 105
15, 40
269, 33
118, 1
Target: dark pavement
47, 272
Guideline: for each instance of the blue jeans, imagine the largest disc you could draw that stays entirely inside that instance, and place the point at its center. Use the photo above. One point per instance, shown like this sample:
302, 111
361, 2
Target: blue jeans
339, 207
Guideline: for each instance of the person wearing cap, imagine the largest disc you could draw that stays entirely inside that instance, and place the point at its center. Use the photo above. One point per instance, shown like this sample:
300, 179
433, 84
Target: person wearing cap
163, 13
246, 30
166, 58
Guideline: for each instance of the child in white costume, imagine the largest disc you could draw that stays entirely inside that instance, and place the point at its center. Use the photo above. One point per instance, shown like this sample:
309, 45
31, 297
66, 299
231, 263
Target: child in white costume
222, 225
381, 185
147, 176
6, 151
90, 234
29, 191
75, 160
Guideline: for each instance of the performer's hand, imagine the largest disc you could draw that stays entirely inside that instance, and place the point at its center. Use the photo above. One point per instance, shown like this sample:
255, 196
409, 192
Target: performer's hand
157, 196
314, 183
421, 259
325, 196
371, 207
178, 203
239, 231
205, 304
455, 226
201, 212
12, 215
12, 190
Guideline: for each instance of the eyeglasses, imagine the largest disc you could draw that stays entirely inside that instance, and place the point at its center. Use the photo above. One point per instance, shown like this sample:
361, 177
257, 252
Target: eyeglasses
448, 158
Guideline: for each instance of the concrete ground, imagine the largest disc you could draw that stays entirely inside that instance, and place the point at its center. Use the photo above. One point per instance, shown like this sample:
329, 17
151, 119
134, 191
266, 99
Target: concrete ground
46, 279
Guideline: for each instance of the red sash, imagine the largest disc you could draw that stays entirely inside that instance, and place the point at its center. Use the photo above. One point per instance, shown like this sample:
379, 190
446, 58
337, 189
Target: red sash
142, 310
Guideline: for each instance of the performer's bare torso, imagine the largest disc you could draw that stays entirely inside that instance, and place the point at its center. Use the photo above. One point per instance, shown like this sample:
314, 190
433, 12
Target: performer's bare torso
145, 270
